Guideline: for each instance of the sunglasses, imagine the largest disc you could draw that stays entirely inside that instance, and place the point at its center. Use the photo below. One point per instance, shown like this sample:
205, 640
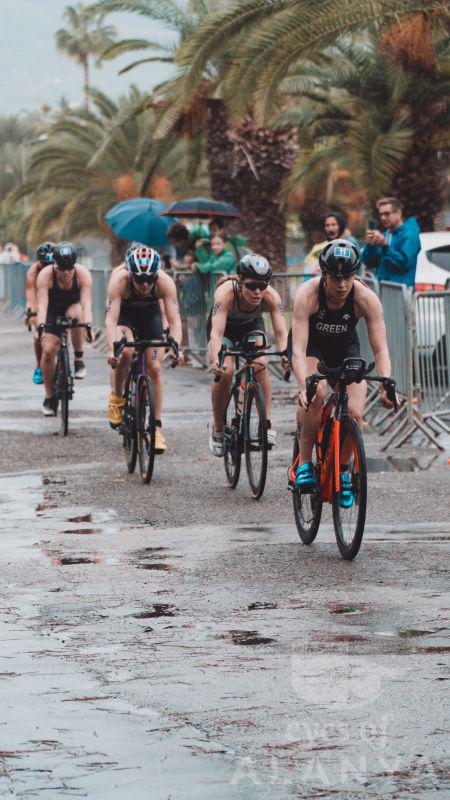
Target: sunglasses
145, 278
254, 285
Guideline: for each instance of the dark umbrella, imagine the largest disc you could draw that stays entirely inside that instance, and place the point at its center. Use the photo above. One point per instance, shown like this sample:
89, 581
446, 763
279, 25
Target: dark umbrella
139, 220
201, 208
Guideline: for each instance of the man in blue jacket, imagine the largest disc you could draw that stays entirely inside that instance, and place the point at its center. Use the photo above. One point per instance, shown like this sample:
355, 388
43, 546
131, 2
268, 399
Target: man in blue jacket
393, 254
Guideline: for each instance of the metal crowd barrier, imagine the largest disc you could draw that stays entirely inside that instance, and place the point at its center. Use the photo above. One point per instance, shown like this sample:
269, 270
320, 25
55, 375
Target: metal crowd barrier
432, 356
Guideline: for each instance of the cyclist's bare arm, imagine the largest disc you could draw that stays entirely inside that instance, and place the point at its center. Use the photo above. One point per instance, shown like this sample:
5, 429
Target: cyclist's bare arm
30, 288
116, 292
84, 280
369, 306
43, 284
223, 302
305, 304
167, 292
274, 305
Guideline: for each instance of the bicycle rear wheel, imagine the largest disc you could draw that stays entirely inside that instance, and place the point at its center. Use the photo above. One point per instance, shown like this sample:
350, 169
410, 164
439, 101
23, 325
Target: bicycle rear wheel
349, 522
255, 439
307, 507
146, 429
129, 427
232, 441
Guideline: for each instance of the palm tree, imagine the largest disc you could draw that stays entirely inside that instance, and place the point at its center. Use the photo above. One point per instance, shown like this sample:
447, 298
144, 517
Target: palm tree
270, 36
88, 164
387, 127
84, 37
247, 163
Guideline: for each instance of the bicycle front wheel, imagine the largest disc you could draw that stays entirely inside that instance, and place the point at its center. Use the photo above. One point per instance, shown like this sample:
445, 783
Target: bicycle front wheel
146, 429
255, 439
63, 382
129, 432
349, 521
307, 507
232, 442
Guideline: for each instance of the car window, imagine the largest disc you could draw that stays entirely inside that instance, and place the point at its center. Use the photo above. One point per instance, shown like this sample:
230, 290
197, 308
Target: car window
440, 256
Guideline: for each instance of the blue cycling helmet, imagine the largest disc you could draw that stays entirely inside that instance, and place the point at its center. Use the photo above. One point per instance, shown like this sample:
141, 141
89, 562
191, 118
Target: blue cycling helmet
44, 252
142, 261
340, 258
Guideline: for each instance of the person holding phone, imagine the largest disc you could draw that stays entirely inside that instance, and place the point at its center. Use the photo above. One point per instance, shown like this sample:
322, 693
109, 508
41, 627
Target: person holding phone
392, 253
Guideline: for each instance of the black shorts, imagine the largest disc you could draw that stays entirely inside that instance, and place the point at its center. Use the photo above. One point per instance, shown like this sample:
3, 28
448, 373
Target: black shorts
331, 352
144, 325
234, 334
53, 312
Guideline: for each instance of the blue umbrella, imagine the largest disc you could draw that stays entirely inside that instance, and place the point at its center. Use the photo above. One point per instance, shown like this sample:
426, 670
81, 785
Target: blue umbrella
139, 220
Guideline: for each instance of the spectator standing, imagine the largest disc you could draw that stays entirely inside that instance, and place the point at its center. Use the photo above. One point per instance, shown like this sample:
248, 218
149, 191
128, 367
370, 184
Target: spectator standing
178, 236
219, 260
235, 243
392, 255
335, 227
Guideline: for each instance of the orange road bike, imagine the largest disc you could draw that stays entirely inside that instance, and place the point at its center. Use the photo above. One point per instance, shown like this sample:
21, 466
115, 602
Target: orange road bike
337, 430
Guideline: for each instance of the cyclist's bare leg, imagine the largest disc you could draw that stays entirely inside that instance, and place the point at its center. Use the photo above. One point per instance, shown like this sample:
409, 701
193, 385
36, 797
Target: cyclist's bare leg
356, 402
309, 421
220, 394
154, 361
76, 334
263, 378
119, 374
50, 344
37, 348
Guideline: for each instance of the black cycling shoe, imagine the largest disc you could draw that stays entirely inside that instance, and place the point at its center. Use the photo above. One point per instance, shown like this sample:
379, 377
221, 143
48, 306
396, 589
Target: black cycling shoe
48, 408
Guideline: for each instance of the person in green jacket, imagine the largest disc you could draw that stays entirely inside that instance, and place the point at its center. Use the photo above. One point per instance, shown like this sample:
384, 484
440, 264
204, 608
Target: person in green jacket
219, 260
236, 244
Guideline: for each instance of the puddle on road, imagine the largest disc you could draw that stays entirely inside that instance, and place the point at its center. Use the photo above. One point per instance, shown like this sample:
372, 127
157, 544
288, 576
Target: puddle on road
82, 531
54, 481
157, 566
157, 610
347, 610
258, 605
64, 561
81, 518
245, 638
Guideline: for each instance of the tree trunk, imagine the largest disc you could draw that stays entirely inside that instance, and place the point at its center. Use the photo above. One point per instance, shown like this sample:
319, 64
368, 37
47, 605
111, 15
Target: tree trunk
118, 249
420, 184
247, 166
86, 82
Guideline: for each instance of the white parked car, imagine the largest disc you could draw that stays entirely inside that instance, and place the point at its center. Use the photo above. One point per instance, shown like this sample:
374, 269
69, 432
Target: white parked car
433, 261
433, 274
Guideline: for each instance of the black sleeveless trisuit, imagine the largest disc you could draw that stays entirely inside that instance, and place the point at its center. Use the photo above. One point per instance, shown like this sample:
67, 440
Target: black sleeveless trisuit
59, 300
332, 335
141, 313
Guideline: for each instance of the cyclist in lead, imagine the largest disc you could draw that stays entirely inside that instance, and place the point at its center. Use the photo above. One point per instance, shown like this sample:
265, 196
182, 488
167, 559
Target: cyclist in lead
326, 312
239, 303
133, 310
44, 257
64, 289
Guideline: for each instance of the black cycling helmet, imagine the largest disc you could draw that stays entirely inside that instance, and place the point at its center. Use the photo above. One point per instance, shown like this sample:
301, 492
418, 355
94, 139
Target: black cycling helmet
44, 252
65, 255
339, 258
254, 266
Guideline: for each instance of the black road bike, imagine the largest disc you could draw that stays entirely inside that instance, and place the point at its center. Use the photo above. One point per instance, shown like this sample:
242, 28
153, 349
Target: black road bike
63, 389
245, 420
138, 420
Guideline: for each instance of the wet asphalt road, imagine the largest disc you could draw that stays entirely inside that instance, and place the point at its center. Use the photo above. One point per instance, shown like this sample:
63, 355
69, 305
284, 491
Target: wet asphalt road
176, 641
